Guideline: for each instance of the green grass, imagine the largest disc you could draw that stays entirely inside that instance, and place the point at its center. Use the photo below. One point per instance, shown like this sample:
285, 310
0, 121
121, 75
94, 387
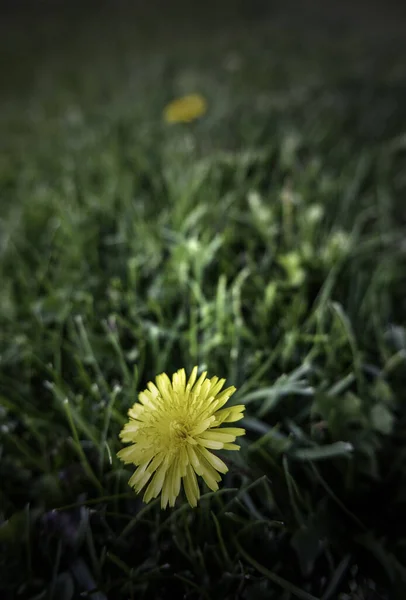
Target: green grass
265, 243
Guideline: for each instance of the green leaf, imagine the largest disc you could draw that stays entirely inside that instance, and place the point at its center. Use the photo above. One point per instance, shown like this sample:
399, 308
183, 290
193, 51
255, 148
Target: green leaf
338, 449
273, 440
337, 578
14, 529
307, 545
294, 383
382, 419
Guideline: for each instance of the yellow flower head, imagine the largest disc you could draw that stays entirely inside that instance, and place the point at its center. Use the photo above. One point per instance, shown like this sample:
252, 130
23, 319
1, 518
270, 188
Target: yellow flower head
172, 430
185, 109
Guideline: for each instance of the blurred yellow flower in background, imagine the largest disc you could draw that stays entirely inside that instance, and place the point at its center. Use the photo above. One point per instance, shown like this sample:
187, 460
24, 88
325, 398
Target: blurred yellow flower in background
172, 430
185, 109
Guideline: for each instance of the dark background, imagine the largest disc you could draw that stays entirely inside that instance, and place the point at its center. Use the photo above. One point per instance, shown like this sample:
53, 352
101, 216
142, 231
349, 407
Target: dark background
46, 24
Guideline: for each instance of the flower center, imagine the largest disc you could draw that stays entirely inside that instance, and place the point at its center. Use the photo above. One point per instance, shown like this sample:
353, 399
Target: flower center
178, 431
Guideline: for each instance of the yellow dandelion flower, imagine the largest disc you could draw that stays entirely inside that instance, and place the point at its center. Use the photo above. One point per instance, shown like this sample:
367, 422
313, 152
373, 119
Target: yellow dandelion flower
172, 430
185, 109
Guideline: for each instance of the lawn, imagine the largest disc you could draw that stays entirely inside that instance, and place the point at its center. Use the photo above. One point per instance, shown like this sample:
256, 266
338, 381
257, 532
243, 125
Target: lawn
264, 243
